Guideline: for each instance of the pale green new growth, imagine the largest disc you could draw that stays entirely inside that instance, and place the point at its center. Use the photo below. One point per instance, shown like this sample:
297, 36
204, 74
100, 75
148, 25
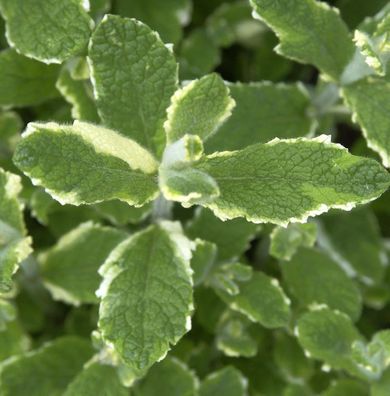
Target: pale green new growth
50, 31
70, 269
310, 31
198, 109
314, 279
286, 241
170, 377
46, 371
134, 76
147, 295
14, 245
262, 300
289, 180
79, 95
85, 163
353, 240
369, 101
227, 381
24, 81
263, 111
328, 335
96, 379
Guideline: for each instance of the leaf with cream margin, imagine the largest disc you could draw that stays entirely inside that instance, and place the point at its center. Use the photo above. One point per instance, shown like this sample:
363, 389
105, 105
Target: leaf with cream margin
134, 76
14, 245
85, 163
310, 32
199, 108
147, 295
49, 31
289, 180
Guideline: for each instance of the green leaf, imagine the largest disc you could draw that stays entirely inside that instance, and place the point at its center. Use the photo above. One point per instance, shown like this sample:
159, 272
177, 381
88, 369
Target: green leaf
227, 381
289, 180
7, 313
70, 268
199, 108
126, 53
263, 111
25, 82
328, 336
168, 378
14, 245
13, 341
47, 30
262, 300
96, 379
353, 239
46, 371
285, 241
382, 386
85, 163
369, 101
203, 260
79, 95
373, 40
345, 387
234, 336
148, 287
10, 127
231, 237
165, 17
198, 55
314, 279
309, 31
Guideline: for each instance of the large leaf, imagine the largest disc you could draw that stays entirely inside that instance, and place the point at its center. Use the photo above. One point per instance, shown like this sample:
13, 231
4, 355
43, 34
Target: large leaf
24, 81
50, 31
263, 111
147, 295
70, 268
134, 76
85, 163
14, 245
310, 32
289, 180
46, 371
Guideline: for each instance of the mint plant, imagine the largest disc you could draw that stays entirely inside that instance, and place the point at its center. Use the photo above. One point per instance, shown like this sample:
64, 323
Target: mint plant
193, 198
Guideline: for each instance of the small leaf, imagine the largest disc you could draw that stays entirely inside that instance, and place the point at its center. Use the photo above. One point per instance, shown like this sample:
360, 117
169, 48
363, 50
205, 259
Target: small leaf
25, 82
76, 93
126, 53
309, 31
346, 386
199, 108
231, 237
353, 239
96, 379
369, 101
50, 31
203, 260
262, 300
227, 381
168, 378
263, 111
85, 163
313, 278
14, 245
165, 17
148, 287
328, 335
45, 371
382, 386
286, 241
70, 268
289, 180
13, 341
